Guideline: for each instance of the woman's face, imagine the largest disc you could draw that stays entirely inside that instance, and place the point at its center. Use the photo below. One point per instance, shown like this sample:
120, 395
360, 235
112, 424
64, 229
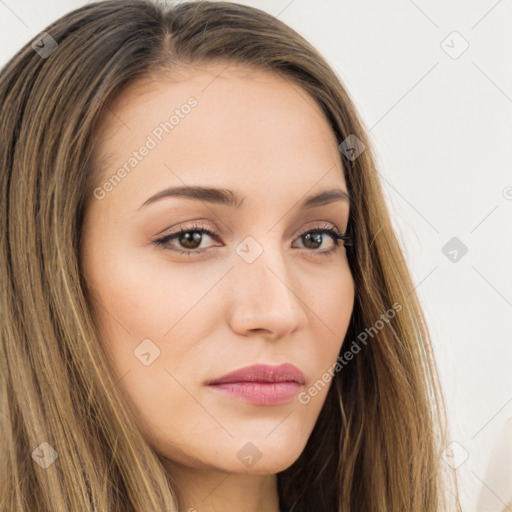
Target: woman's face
262, 292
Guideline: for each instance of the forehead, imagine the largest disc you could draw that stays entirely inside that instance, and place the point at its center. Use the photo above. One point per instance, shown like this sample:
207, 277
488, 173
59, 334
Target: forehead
254, 126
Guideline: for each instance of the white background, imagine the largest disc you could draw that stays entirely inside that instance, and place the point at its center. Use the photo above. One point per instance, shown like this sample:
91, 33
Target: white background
442, 130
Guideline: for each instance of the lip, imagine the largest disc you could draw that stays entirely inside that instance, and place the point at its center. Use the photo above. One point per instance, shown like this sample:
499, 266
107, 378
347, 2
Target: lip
263, 373
261, 384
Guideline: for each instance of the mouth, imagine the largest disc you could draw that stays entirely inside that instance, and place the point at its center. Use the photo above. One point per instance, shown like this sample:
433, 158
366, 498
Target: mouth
261, 384
259, 393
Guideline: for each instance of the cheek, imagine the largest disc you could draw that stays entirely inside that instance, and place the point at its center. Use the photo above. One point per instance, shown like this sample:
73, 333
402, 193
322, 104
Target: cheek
329, 301
335, 303
147, 296
329, 323
153, 317
178, 313
168, 309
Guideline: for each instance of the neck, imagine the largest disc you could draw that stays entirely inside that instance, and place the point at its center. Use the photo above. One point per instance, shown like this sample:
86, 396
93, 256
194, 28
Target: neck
211, 490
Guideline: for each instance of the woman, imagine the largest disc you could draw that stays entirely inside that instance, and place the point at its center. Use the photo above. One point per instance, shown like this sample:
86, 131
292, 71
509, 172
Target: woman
188, 192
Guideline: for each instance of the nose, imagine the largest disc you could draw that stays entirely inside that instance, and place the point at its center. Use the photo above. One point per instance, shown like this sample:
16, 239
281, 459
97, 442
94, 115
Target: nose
266, 300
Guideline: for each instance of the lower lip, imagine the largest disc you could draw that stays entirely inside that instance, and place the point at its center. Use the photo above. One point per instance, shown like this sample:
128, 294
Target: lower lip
260, 393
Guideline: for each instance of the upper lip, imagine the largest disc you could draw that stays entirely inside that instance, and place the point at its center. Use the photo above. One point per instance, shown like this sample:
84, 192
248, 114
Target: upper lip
263, 373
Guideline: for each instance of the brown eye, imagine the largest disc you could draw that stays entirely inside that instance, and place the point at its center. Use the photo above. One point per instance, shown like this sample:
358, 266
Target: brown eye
190, 239
313, 239
187, 239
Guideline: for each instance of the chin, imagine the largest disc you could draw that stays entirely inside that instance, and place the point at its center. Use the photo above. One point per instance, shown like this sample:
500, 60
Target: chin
268, 467
261, 457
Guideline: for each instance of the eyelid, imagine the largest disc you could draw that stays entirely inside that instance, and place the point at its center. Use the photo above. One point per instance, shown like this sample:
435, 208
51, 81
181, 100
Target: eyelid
339, 239
315, 225
199, 225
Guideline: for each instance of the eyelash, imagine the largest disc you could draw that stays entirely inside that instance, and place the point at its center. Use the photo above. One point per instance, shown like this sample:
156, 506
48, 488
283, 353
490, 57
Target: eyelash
335, 235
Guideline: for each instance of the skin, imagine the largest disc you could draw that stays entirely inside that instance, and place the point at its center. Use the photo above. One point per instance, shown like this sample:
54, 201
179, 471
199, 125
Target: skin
266, 139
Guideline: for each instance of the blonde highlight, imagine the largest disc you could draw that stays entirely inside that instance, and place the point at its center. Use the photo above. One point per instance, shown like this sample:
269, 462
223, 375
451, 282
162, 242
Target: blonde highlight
378, 441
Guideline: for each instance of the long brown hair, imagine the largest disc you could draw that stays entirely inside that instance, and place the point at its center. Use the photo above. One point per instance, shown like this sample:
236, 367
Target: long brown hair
379, 439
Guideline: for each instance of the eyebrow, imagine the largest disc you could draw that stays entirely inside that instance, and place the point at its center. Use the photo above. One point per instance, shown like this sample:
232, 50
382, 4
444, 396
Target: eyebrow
229, 198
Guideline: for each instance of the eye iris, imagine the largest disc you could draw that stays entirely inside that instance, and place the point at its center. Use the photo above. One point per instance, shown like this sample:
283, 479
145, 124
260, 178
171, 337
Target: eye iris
191, 237
316, 237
